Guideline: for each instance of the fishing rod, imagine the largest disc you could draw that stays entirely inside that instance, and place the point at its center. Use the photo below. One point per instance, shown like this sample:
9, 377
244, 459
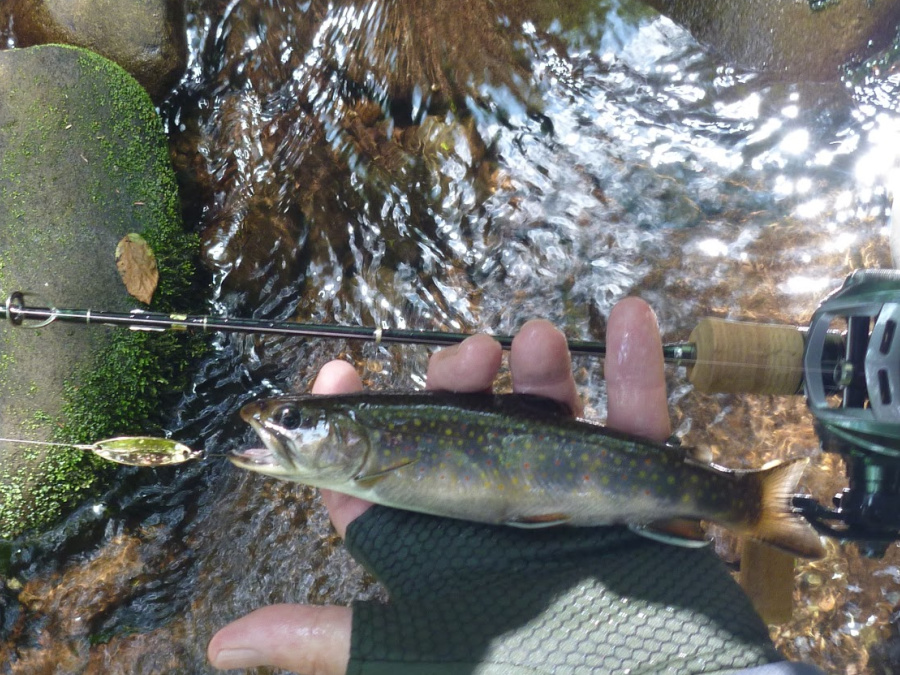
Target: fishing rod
846, 362
721, 355
18, 313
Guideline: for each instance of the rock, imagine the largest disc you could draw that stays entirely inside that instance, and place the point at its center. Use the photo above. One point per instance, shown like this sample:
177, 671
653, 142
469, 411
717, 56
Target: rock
146, 37
788, 36
84, 162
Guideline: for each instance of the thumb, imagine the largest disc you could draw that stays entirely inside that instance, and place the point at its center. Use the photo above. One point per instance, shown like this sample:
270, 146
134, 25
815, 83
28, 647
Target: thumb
299, 638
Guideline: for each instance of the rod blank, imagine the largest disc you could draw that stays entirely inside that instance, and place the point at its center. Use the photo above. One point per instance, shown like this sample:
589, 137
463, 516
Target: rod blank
18, 313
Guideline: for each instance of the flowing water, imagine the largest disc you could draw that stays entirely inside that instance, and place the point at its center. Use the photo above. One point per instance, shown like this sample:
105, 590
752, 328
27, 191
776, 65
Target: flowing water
409, 165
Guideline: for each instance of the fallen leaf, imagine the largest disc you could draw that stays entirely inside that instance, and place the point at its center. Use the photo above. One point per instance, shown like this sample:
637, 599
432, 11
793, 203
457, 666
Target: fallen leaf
137, 267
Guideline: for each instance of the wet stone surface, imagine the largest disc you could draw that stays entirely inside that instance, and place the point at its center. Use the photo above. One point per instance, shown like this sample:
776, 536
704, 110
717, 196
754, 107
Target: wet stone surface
146, 38
85, 162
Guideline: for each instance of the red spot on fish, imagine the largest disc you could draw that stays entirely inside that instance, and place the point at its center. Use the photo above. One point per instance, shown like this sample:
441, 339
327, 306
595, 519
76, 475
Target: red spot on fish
587, 479
489, 462
526, 466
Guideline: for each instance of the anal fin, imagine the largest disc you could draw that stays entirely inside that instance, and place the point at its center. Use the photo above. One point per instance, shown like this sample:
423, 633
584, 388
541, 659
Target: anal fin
676, 532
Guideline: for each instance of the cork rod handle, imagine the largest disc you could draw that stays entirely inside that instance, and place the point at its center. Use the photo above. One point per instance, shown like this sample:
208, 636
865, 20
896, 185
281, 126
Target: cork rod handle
739, 357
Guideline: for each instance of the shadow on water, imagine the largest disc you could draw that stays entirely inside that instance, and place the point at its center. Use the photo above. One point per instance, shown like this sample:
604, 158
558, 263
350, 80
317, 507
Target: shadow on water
362, 162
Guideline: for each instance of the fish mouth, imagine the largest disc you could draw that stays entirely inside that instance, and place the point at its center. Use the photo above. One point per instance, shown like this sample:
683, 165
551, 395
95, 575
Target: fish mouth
254, 459
271, 458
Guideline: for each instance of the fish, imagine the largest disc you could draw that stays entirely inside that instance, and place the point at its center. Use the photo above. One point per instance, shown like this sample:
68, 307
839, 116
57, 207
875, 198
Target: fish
515, 459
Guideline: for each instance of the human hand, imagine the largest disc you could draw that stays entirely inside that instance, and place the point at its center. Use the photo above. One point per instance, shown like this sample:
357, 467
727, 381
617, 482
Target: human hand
316, 640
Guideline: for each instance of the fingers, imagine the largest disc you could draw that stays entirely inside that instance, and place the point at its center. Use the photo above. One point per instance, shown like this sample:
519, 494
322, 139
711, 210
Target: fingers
469, 366
540, 364
309, 640
339, 377
635, 379
539, 361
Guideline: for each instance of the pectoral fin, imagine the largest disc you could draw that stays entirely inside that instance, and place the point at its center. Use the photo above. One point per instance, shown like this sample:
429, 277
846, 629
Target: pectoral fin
373, 477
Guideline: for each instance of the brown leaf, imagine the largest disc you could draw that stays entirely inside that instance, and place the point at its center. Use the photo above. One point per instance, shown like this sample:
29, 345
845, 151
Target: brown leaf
137, 267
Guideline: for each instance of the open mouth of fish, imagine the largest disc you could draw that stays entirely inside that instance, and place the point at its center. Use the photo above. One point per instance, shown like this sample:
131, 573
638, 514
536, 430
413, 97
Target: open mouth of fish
269, 456
254, 457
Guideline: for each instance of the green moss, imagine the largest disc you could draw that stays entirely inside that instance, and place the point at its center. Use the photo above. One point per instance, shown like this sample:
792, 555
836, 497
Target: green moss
121, 394
66, 476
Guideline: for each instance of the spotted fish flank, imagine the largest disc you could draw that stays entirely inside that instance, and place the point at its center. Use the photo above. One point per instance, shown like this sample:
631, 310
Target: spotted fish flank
512, 459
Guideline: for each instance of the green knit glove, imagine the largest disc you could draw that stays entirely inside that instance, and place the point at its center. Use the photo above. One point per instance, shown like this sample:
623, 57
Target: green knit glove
471, 598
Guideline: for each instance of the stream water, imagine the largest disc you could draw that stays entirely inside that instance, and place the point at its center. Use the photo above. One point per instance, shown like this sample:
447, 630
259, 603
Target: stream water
362, 163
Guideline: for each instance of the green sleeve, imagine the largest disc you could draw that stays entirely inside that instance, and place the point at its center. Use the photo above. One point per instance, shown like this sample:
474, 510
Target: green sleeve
470, 598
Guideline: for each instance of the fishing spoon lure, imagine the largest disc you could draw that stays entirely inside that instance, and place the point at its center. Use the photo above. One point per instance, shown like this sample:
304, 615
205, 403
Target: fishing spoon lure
145, 451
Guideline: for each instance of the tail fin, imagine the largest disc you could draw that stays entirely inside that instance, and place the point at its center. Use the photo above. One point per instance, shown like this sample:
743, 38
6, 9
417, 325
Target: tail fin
777, 525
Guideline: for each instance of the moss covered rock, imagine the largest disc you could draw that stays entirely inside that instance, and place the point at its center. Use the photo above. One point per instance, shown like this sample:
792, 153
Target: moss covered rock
83, 162
808, 40
146, 37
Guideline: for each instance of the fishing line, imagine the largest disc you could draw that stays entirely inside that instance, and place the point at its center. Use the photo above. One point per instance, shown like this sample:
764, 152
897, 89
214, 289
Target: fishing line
78, 446
130, 450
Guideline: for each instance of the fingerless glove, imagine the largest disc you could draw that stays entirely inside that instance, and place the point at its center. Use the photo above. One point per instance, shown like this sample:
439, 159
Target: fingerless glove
471, 598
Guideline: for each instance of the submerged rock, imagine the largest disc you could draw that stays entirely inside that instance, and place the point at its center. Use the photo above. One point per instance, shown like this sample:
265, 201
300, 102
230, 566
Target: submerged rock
84, 162
796, 38
147, 38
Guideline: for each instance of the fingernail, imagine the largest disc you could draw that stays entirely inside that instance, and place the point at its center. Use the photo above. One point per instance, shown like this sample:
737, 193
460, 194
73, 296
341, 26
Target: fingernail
227, 659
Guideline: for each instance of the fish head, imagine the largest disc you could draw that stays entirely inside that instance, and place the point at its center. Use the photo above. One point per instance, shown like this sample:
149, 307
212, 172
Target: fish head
305, 438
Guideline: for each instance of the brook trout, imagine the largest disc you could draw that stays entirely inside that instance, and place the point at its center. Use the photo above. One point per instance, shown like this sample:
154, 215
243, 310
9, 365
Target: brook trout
513, 459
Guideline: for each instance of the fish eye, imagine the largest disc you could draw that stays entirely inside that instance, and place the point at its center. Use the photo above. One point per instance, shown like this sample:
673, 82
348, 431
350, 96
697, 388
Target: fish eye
288, 417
